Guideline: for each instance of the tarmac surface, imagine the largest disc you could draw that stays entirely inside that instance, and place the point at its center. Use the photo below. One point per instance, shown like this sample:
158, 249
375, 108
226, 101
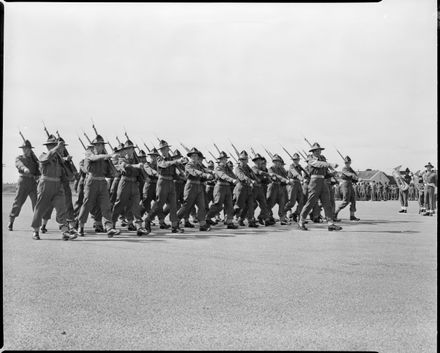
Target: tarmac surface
371, 286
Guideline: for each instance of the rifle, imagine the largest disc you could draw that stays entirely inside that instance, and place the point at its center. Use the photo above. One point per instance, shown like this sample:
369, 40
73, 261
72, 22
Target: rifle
82, 143
340, 154
253, 152
119, 141
268, 153
235, 160
184, 147
218, 149
302, 156
310, 145
146, 146
291, 157
212, 155
33, 156
235, 149
88, 139
69, 163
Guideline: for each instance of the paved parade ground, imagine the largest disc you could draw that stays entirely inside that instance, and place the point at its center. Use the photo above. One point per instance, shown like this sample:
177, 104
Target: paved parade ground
372, 286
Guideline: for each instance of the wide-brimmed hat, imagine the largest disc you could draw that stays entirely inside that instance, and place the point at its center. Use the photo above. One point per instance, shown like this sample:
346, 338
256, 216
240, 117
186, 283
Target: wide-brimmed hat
142, 153
222, 155
26, 144
429, 165
278, 158
295, 156
347, 159
177, 153
153, 152
128, 144
194, 151
243, 155
210, 164
258, 157
119, 148
163, 144
407, 170
315, 147
98, 139
61, 139
51, 140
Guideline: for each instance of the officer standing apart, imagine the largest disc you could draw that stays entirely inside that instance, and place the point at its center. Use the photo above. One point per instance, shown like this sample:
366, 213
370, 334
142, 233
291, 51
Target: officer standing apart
317, 188
430, 181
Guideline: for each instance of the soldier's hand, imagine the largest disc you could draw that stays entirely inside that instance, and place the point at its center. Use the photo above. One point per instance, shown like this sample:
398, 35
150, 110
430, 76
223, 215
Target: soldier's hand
333, 165
236, 181
60, 143
26, 170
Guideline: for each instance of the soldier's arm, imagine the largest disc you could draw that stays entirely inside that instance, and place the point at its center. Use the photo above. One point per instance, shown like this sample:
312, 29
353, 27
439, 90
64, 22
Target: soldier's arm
162, 163
149, 170
315, 163
21, 166
192, 170
220, 172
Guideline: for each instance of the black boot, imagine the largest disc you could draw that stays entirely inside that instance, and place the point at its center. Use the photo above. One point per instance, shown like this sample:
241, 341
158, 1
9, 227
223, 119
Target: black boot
333, 227
35, 235
148, 226
252, 224
11, 223
131, 227
231, 226
205, 228
210, 222
163, 225
301, 226
142, 231
354, 218
43, 229
177, 229
188, 224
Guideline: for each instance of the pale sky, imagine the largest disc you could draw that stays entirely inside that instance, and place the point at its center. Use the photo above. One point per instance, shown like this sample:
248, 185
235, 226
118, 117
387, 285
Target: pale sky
361, 77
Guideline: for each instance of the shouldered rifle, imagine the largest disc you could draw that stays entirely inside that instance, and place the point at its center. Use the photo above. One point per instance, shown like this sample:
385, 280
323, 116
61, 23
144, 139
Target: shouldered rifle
253, 152
310, 145
113, 170
268, 153
232, 156
69, 162
33, 156
340, 154
300, 177
87, 137
216, 147
212, 155
184, 147
136, 159
235, 149
146, 146
302, 156
82, 143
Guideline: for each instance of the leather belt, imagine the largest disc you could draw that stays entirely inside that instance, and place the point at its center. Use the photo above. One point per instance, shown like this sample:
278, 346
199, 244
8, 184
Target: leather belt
165, 177
28, 176
223, 183
128, 178
315, 176
49, 178
96, 178
198, 182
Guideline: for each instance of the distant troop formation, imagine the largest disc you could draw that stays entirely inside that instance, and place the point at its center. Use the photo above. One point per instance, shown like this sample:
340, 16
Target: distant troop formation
137, 189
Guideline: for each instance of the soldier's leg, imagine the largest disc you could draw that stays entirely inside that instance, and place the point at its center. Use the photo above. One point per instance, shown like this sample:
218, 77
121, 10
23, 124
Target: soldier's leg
345, 198
190, 195
46, 192
171, 201
281, 200
250, 208
69, 204
135, 208
122, 200
21, 195
91, 189
59, 203
290, 198
313, 195
201, 207
271, 196
228, 209
326, 204
352, 204
79, 201
260, 197
217, 204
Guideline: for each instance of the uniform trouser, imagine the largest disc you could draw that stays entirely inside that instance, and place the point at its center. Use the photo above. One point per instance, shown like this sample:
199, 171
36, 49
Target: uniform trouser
127, 201
222, 197
209, 195
70, 216
26, 187
422, 199
318, 190
96, 195
80, 199
260, 200
50, 194
276, 195
165, 194
193, 195
149, 195
295, 194
114, 189
429, 197
403, 197
244, 201
348, 197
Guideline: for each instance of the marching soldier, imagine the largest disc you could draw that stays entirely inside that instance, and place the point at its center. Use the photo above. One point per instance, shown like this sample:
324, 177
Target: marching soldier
260, 189
166, 191
96, 188
28, 169
150, 185
318, 188
403, 194
244, 197
128, 197
209, 188
276, 190
222, 192
420, 185
294, 190
194, 193
50, 188
430, 180
349, 177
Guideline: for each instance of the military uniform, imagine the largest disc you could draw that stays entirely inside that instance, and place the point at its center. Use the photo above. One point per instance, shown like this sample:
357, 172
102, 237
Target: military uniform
294, 190
222, 193
244, 196
128, 197
348, 177
262, 180
194, 193
165, 191
50, 189
403, 194
430, 181
318, 188
96, 189
28, 168
276, 192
